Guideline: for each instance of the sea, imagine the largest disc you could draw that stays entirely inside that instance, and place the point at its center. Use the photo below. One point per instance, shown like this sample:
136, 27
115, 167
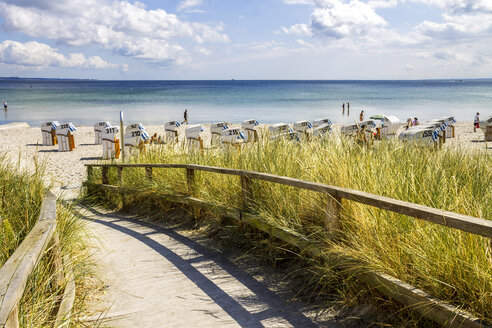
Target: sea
85, 102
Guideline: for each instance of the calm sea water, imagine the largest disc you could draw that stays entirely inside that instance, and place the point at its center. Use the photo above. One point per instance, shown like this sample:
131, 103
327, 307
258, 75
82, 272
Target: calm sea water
155, 102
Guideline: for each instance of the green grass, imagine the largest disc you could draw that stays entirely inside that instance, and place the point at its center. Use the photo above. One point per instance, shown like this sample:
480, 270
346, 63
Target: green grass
21, 195
449, 264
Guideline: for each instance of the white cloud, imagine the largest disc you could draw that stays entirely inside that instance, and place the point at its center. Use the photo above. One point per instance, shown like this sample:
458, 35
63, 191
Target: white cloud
297, 29
382, 3
465, 26
40, 55
125, 28
460, 6
335, 19
187, 5
464, 20
204, 51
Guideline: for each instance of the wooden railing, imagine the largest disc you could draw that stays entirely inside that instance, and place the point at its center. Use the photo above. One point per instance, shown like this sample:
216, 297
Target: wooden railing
15, 272
410, 296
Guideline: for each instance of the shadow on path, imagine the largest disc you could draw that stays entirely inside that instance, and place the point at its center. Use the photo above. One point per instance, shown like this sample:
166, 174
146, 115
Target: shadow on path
277, 307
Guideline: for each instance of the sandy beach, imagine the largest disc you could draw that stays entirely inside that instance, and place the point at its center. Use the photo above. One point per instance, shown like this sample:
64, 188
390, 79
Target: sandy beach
66, 169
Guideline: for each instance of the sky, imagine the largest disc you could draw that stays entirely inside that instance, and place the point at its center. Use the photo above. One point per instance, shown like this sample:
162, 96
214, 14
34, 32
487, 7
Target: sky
246, 39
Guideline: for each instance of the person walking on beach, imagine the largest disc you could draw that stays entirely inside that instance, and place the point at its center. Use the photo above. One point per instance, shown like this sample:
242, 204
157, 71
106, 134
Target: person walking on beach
476, 122
415, 121
361, 116
185, 116
343, 109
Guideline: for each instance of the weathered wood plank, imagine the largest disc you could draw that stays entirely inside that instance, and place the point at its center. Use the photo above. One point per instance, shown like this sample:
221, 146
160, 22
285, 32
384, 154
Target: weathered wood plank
66, 305
89, 172
190, 180
120, 182
15, 272
421, 302
462, 222
120, 175
333, 210
246, 192
104, 175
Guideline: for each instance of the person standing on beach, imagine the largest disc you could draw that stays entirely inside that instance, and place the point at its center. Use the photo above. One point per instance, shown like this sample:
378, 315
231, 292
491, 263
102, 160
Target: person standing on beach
5, 105
361, 116
476, 122
185, 115
348, 106
343, 109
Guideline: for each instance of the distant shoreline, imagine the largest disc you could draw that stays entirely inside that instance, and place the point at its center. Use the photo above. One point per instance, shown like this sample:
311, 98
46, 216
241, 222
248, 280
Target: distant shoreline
10, 78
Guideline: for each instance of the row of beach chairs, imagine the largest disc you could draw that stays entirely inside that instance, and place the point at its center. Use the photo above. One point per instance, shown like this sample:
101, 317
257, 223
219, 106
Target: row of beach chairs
381, 126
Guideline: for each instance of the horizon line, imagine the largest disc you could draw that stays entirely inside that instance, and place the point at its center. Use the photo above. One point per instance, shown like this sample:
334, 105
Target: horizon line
232, 79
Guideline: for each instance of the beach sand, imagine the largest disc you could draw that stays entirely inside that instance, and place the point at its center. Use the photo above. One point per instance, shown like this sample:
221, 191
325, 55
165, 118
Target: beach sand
66, 169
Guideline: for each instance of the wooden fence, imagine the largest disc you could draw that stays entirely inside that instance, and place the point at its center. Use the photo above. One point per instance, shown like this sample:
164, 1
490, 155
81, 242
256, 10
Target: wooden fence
15, 272
404, 293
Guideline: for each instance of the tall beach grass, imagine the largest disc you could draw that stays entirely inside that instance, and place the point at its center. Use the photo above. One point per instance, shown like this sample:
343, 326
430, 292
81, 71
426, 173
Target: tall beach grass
452, 265
21, 196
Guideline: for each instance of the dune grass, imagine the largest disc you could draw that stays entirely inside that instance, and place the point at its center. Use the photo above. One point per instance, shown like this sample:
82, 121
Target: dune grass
449, 264
21, 195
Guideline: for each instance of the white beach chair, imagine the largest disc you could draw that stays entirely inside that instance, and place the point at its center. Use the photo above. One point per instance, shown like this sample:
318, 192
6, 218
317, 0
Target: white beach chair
48, 132
216, 130
251, 129
233, 136
322, 130
283, 130
98, 128
64, 134
322, 121
193, 136
171, 131
110, 142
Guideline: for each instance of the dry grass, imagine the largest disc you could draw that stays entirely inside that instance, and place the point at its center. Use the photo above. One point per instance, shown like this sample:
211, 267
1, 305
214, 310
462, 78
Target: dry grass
21, 195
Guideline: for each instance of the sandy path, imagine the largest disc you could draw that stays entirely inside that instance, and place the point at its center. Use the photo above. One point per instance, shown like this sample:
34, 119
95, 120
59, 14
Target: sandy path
156, 277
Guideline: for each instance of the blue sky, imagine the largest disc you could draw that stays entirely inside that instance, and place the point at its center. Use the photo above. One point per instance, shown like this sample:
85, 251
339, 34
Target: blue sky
246, 39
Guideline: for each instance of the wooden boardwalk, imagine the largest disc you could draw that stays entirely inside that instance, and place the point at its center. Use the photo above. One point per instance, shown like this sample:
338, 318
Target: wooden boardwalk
156, 277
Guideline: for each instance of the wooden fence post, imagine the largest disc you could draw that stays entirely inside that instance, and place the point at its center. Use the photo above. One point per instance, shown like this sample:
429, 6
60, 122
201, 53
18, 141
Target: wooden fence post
89, 172
104, 173
120, 175
190, 180
246, 192
333, 209
120, 182
148, 172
